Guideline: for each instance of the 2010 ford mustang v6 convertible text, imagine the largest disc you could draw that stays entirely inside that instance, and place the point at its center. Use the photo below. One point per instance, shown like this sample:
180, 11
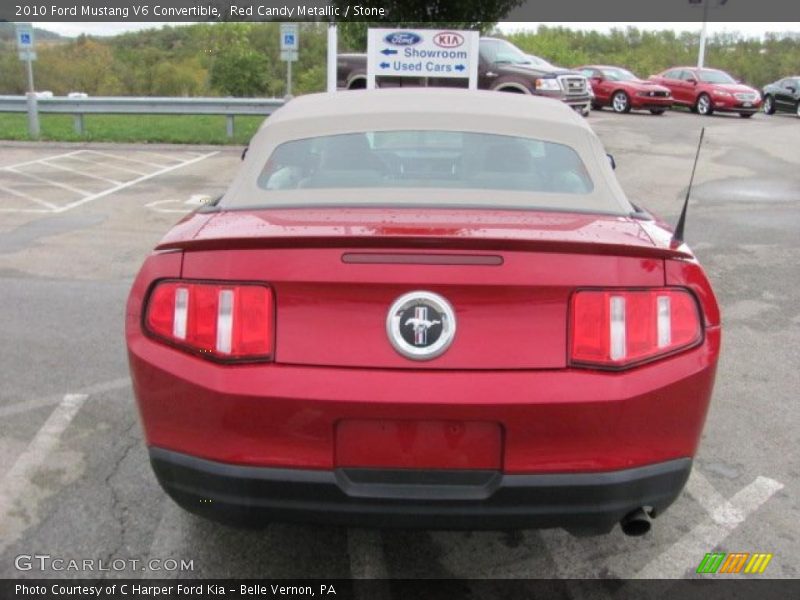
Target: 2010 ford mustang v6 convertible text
424, 308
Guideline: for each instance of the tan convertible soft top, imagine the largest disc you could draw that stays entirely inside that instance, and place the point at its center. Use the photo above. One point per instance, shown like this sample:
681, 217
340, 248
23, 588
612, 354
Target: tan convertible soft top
428, 109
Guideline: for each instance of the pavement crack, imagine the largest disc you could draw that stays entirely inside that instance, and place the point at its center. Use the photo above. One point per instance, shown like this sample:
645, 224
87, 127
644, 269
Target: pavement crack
118, 508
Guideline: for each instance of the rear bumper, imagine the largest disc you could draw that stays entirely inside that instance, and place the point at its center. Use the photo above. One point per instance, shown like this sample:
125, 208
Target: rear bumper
552, 421
579, 502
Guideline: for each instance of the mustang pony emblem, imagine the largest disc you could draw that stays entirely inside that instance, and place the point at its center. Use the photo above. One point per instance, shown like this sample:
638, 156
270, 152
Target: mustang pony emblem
420, 323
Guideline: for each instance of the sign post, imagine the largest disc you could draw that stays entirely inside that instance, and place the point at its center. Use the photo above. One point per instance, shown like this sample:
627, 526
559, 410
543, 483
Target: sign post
422, 53
27, 54
706, 4
333, 43
290, 43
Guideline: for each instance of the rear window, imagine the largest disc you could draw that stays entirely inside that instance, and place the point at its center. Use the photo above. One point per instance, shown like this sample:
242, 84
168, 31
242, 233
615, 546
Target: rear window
426, 159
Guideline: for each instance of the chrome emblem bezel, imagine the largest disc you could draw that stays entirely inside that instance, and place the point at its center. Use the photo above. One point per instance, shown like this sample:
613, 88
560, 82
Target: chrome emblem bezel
421, 299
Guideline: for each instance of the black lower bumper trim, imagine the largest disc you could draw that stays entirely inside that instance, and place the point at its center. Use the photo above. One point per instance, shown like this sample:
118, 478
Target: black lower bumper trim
581, 502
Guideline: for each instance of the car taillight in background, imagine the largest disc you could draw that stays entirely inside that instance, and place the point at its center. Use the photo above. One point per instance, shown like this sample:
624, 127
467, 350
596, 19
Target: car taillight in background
619, 328
222, 321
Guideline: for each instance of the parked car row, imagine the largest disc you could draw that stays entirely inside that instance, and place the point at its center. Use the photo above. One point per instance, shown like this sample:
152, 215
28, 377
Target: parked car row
503, 67
703, 91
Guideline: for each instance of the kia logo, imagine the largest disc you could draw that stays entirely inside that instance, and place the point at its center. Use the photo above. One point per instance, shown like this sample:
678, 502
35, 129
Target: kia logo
448, 39
402, 38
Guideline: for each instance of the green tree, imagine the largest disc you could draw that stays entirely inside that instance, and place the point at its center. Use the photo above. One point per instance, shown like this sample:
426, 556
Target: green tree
13, 79
184, 78
85, 65
239, 71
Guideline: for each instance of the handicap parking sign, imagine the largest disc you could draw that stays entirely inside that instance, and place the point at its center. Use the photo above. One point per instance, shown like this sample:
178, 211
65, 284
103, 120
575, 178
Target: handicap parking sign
290, 37
24, 36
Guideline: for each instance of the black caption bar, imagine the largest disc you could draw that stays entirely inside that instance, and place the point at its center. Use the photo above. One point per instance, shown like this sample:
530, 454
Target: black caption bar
397, 589
397, 11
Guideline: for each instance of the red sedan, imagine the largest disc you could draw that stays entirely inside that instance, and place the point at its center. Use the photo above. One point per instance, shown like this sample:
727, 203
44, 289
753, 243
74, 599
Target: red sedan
708, 90
623, 91
423, 308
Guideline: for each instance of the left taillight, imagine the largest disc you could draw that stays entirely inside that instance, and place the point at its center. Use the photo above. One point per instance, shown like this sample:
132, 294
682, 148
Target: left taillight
220, 321
620, 328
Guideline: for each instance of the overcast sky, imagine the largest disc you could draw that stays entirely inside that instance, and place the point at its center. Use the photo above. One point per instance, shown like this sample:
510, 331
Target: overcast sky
748, 29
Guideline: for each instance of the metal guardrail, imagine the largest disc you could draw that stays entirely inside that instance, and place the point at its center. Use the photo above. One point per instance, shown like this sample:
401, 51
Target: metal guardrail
119, 105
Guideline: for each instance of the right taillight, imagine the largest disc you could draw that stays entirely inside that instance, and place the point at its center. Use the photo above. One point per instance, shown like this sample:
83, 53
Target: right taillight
619, 328
223, 321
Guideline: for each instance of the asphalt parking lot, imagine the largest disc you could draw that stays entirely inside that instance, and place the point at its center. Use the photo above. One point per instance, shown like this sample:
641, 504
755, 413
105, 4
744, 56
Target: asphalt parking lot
77, 220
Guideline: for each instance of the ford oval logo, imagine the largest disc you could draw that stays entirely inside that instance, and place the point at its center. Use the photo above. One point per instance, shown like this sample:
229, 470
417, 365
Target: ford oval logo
448, 39
402, 38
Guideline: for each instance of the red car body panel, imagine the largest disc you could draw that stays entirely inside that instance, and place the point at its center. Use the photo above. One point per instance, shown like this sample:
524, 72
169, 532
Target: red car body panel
508, 368
687, 93
414, 229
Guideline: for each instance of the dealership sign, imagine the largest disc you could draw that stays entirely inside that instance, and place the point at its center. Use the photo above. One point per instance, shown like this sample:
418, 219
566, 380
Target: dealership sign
422, 53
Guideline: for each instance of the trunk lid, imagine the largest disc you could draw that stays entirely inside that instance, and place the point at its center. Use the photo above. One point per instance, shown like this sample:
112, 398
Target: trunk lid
507, 274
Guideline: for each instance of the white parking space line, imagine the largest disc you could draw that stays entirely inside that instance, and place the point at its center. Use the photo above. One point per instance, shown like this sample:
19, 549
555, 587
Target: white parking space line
127, 158
38, 160
49, 181
28, 405
187, 206
575, 558
719, 509
16, 486
26, 210
686, 553
132, 182
171, 157
106, 161
50, 163
109, 165
20, 194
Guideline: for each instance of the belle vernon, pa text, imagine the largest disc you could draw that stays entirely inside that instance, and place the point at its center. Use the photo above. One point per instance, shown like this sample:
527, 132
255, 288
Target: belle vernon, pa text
298, 11
197, 591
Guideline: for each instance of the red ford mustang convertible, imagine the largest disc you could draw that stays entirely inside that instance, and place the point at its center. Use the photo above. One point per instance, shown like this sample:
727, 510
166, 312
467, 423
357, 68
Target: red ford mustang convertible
424, 308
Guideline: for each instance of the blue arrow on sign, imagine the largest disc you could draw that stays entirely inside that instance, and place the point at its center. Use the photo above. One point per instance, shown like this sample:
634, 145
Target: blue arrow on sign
385, 65
459, 67
388, 51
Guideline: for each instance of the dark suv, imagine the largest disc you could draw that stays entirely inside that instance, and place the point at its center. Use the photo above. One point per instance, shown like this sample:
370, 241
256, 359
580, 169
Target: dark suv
501, 67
